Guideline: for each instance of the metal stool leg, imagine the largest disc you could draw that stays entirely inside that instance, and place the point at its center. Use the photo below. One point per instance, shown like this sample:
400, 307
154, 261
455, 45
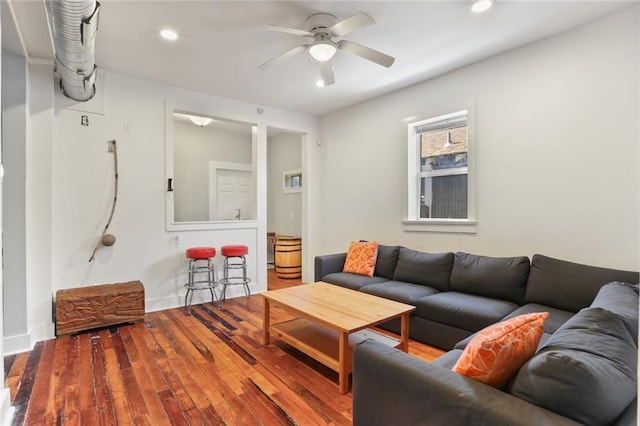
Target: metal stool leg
189, 284
200, 284
225, 281
245, 282
240, 263
212, 279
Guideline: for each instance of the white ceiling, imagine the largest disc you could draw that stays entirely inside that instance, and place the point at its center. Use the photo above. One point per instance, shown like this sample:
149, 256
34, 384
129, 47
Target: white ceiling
221, 43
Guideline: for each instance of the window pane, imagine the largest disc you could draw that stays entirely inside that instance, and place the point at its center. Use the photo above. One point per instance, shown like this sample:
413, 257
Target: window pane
443, 164
442, 149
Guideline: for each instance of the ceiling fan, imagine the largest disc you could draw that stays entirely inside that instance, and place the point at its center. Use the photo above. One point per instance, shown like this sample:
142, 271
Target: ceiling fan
321, 28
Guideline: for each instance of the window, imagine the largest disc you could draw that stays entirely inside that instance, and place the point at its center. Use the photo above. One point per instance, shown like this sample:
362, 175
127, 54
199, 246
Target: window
440, 187
292, 180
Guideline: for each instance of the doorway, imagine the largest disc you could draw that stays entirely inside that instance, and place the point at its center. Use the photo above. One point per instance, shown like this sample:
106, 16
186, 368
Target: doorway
284, 204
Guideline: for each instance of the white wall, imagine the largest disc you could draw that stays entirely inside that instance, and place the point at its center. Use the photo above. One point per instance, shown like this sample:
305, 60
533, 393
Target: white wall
14, 114
557, 134
70, 188
39, 221
284, 209
194, 147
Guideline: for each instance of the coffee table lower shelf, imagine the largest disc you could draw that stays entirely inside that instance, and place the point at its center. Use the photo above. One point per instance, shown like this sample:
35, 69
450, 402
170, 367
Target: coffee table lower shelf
321, 343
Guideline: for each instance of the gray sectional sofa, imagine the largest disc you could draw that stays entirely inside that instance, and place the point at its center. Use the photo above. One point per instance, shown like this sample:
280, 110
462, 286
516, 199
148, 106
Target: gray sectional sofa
584, 371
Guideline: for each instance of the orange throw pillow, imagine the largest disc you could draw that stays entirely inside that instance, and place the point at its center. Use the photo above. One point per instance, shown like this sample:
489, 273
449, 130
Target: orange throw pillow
361, 258
497, 352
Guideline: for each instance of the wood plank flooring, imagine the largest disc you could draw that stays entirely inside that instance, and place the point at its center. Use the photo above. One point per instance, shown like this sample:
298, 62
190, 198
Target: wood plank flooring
206, 366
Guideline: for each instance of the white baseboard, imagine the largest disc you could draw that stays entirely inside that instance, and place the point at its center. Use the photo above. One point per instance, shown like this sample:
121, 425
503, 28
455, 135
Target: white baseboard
200, 296
16, 344
6, 409
42, 332
25, 342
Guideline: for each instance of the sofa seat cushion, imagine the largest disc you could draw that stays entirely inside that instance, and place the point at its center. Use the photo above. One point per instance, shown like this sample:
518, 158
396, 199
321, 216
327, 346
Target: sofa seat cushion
399, 291
430, 269
495, 277
586, 371
622, 300
465, 311
351, 281
567, 285
557, 317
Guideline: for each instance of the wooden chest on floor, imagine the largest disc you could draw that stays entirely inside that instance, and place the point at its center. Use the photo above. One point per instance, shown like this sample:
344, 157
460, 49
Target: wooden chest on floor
84, 308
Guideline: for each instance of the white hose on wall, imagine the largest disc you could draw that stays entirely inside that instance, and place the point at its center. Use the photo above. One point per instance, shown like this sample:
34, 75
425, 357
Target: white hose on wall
74, 24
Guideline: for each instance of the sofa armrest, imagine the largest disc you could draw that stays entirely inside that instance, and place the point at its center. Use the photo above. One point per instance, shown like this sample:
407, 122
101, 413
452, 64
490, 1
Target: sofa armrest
328, 264
392, 388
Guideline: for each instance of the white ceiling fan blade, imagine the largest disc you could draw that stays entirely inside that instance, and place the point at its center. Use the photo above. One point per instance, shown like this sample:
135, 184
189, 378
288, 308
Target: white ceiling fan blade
353, 23
326, 73
288, 30
285, 55
366, 53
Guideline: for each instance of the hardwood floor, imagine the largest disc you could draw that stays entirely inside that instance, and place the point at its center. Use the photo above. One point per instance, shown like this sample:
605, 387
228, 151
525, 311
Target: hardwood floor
206, 366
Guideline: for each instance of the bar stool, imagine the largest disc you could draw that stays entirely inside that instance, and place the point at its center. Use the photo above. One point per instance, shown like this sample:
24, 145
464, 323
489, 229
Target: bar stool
235, 253
200, 264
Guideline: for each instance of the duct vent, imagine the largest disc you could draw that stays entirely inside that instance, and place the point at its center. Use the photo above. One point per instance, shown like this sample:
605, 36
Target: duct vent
74, 24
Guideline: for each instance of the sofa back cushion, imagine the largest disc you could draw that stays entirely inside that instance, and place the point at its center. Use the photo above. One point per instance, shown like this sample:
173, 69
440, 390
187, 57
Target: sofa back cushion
502, 278
622, 300
567, 285
430, 269
387, 261
585, 371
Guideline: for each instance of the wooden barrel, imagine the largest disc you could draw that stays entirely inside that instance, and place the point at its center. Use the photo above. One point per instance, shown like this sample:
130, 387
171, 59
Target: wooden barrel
288, 257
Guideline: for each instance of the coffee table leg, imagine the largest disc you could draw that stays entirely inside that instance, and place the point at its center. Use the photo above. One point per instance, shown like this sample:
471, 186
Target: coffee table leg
343, 374
404, 332
266, 337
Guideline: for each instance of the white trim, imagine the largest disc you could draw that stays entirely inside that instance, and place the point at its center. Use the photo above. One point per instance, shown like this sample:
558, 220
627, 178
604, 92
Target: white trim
411, 221
6, 409
177, 301
16, 344
446, 172
223, 224
440, 225
170, 223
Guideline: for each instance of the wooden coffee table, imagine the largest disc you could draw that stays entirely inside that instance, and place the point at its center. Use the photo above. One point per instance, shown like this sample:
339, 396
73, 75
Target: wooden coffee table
331, 321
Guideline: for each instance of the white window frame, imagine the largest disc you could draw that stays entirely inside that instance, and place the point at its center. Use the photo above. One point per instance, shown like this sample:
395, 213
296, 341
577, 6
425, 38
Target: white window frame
412, 221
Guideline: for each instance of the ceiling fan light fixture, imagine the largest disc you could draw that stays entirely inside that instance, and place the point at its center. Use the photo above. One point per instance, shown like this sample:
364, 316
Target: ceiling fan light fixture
322, 51
200, 121
480, 6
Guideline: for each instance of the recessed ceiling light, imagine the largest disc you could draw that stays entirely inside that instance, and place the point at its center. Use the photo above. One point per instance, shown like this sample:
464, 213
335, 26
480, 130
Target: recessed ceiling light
169, 35
480, 6
320, 83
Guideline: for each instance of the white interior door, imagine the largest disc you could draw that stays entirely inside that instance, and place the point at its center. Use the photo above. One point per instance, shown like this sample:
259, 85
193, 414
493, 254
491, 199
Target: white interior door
234, 194
231, 194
